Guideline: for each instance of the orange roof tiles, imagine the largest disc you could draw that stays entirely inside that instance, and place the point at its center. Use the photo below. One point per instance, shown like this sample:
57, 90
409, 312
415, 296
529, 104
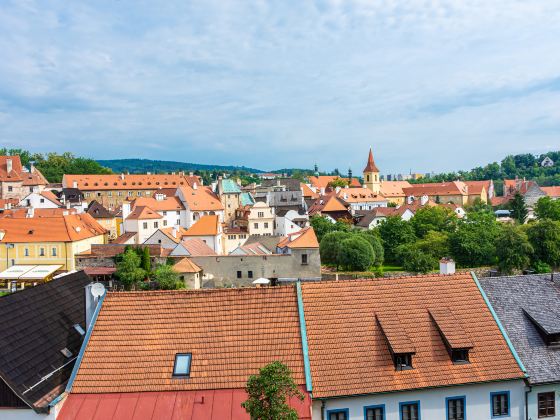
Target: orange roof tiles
201, 199
553, 192
174, 236
327, 203
17, 174
185, 265
166, 204
437, 188
22, 213
307, 191
394, 332
394, 188
124, 182
231, 333
450, 327
197, 247
347, 347
143, 213
358, 195
370, 167
322, 181
476, 187
49, 195
74, 227
305, 238
205, 226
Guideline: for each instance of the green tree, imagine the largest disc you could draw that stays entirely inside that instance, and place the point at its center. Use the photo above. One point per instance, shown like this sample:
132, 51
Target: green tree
435, 244
518, 208
513, 249
547, 208
414, 260
146, 264
54, 165
356, 254
129, 271
544, 236
167, 278
375, 241
473, 243
268, 393
395, 232
437, 218
338, 182
330, 247
321, 225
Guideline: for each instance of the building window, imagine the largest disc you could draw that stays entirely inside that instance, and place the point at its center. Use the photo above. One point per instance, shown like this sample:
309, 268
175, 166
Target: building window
239, 274
500, 404
178, 222
165, 223
109, 193
42, 252
156, 224
86, 195
260, 214
10, 189
410, 410
177, 212
53, 252
120, 193
342, 414
375, 412
182, 366
250, 274
460, 356
367, 178
99, 194
42, 200
145, 225
139, 193
130, 193
26, 252
547, 404
455, 408
256, 225
403, 361
165, 213
304, 259
265, 225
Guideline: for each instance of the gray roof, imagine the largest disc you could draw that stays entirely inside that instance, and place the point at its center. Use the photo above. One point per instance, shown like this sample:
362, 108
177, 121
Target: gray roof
269, 242
517, 299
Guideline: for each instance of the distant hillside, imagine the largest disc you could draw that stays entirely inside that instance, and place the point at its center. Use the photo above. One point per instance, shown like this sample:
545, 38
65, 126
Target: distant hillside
160, 166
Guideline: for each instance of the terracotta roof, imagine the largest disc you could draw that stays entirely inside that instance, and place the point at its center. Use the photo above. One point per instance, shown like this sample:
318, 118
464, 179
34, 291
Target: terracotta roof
475, 187
370, 167
347, 347
5, 201
167, 204
437, 188
124, 182
74, 227
185, 265
305, 238
143, 213
394, 188
308, 192
49, 195
205, 226
22, 213
137, 335
511, 186
124, 238
98, 211
180, 232
197, 247
322, 181
17, 174
221, 404
553, 192
327, 203
358, 195
201, 199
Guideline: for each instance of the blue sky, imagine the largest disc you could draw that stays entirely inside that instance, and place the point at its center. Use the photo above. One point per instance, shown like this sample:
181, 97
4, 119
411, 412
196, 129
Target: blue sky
430, 84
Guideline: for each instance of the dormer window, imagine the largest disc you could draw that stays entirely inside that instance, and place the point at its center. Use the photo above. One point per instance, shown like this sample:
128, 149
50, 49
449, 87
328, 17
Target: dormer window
452, 334
399, 343
460, 356
182, 366
547, 324
403, 361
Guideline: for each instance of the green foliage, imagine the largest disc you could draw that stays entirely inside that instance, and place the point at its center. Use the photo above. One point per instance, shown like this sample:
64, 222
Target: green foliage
544, 236
513, 249
395, 232
322, 226
338, 182
473, 243
268, 393
479, 206
435, 244
437, 218
375, 242
330, 247
415, 260
146, 264
547, 208
167, 278
128, 269
356, 254
54, 165
541, 267
518, 208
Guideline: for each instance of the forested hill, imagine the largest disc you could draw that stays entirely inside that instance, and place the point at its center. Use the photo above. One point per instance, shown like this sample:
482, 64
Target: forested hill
163, 166
522, 166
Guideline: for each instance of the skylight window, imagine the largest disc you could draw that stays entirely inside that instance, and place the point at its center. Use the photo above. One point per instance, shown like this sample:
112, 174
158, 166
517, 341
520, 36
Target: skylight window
79, 328
182, 366
67, 353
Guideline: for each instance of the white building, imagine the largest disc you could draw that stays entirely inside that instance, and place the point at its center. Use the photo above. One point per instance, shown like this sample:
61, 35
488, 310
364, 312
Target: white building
261, 220
143, 222
209, 230
199, 201
360, 199
290, 221
41, 200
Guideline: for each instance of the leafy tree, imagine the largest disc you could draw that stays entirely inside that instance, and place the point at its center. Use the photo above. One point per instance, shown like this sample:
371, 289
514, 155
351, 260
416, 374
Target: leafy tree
437, 218
547, 208
338, 182
544, 236
268, 393
54, 165
375, 241
321, 225
331, 245
473, 243
128, 269
356, 254
435, 244
414, 260
395, 232
479, 206
518, 207
167, 278
513, 249
146, 262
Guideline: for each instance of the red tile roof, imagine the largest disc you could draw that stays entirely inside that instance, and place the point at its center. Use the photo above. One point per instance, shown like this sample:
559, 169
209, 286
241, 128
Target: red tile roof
201, 199
553, 192
124, 182
137, 335
347, 346
323, 181
437, 188
205, 226
197, 247
370, 167
143, 213
359, 195
17, 174
185, 265
304, 238
222, 404
165, 204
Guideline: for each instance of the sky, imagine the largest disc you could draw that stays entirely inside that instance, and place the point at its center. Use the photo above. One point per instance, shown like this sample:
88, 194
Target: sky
431, 85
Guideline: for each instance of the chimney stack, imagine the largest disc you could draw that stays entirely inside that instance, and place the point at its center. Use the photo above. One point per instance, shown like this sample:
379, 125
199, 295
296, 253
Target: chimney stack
9, 165
446, 266
30, 212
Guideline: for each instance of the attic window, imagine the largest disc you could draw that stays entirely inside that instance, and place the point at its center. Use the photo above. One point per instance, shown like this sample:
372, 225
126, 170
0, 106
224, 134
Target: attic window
30, 232
403, 361
460, 356
399, 343
452, 334
114, 183
547, 323
67, 353
79, 328
182, 366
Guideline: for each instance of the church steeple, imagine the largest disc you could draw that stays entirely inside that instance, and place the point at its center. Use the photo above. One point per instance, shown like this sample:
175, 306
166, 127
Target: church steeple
371, 175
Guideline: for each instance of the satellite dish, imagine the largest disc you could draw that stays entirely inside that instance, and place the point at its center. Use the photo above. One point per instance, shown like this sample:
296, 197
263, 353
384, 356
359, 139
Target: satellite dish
97, 289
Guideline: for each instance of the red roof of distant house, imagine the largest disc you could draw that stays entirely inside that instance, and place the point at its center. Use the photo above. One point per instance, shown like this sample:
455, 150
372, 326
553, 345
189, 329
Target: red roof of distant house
437, 188
17, 174
220, 404
305, 238
323, 181
553, 192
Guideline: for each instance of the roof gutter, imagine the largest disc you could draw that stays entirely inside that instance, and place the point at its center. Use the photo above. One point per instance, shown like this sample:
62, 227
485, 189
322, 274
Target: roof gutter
303, 333
500, 326
84, 344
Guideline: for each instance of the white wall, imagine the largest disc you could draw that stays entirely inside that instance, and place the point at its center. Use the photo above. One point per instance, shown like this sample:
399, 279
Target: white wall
34, 200
432, 402
532, 399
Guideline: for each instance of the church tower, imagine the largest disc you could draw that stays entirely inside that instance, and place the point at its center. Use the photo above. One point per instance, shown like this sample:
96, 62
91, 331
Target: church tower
371, 175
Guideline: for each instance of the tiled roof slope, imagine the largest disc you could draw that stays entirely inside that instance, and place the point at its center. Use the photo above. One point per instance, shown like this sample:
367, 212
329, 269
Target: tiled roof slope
231, 333
98, 211
205, 226
123, 182
38, 324
322, 181
509, 296
349, 354
553, 192
200, 198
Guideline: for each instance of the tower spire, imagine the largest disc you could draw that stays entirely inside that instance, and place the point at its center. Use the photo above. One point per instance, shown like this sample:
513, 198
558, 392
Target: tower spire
370, 167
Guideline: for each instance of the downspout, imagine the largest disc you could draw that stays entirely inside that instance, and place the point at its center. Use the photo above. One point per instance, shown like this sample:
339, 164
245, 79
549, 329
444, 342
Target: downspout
527, 402
322, 409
